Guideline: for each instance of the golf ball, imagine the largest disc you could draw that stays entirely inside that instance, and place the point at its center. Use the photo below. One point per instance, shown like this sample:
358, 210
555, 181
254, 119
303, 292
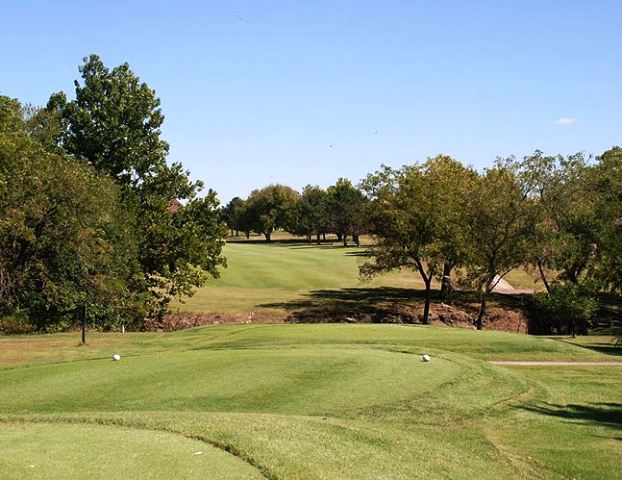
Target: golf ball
426, 357
116, 357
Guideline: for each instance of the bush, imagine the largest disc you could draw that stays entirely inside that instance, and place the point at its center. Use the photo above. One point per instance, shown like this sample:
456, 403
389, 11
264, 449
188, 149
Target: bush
567, 308
15, 323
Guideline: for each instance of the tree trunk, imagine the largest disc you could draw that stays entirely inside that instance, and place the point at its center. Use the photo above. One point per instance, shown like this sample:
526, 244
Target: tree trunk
426, 306
543, 276
248, 234
356, 240
479, 322
345, 240
232, 232
308, 238
446, 286
268, 236
317, 238
339, 236
427, 279
324, 236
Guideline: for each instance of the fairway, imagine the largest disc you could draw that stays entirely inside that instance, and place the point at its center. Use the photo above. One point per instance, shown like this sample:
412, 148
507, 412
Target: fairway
308, 402
274, 279
261, 276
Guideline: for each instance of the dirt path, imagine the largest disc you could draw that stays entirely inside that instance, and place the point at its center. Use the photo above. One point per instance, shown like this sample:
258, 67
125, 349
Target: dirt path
502, 285
505, 287
557, 364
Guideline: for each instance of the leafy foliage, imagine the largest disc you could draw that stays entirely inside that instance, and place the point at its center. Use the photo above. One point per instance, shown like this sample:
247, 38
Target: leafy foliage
495, 229
312, 213
346, 206
114, 124
64, 237
567, 306
271, 208
566, 221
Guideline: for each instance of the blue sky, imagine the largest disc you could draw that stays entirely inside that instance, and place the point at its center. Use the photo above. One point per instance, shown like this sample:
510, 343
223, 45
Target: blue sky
305, 92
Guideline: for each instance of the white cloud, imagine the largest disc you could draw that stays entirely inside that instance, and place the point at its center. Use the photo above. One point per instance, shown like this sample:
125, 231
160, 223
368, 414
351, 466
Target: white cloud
565, 121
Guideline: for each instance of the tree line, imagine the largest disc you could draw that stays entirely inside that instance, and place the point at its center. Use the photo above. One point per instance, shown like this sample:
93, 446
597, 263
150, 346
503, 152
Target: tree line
313, 213
92, 215
559, 217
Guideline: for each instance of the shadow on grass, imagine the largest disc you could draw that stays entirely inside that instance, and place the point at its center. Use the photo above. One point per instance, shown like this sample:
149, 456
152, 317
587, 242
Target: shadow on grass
349, 302
606, 348
378, 304
300, 243
607, 414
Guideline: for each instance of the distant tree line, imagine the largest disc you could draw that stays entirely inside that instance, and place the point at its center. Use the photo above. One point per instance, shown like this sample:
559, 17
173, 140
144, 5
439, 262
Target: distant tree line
92, 215
340, 210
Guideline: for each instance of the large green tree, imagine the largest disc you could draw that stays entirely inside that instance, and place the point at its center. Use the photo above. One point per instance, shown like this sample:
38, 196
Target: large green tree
453, 183
406, 224
114, 124
346, 206
606, 179
272, 208
65, 240
312, 214
566, 220
496, 229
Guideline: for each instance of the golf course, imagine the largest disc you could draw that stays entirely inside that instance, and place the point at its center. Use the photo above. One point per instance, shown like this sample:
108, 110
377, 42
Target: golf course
311, 240
291, 401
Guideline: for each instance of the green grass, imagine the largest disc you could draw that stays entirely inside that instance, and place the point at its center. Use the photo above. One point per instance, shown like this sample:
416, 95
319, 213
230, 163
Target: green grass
276, 279
261, 274
44, 451
307, 402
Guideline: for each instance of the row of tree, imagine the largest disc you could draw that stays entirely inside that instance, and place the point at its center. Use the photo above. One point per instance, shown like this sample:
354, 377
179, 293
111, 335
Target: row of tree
92, 215
339, 209
560, 217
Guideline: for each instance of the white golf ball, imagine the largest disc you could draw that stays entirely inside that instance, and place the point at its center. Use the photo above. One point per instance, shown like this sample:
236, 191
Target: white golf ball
116, 357
426, 357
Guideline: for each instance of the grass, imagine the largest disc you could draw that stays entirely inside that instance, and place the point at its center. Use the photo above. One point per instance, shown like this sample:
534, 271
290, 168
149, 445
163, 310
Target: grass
307, 402
272, 280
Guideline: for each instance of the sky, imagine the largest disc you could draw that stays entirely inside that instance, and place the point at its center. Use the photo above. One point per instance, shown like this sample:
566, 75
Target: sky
305, 92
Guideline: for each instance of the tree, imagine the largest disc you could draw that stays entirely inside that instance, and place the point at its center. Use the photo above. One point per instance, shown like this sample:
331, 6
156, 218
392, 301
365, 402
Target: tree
64, 237
229, 215
405, 219
271, 208
453, 183
607, 183
566, 223
346, 205
312, 213
496, 229
114, 124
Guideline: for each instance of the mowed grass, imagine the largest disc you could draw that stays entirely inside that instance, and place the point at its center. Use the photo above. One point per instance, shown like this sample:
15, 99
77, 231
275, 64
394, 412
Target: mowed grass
260, 275
307, 402
271, 279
